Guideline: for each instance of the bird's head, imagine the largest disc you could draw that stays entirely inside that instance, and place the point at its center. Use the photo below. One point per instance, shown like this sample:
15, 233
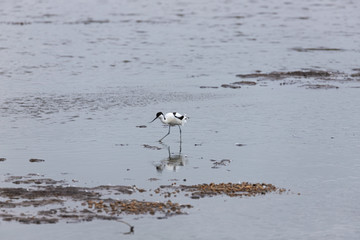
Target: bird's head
157, 115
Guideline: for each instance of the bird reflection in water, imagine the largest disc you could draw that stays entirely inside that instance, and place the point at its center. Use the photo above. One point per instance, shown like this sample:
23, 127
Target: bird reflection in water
173, 162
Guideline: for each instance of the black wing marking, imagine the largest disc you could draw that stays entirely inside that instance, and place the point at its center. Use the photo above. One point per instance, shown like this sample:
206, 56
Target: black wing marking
181, 117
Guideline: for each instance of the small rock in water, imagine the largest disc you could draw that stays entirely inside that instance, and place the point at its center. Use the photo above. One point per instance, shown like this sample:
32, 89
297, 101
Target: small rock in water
209, 87
151, 147
239, 144
36, 160
230, 86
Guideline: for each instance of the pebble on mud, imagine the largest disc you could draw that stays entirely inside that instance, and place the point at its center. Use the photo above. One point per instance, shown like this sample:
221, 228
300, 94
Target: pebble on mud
229, 189
75, 204
56, 201
138, 207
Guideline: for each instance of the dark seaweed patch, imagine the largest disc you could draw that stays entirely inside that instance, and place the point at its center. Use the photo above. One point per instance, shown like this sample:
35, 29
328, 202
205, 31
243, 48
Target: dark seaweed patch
300, 49
230, 86
36, 160
319, 86
282, 75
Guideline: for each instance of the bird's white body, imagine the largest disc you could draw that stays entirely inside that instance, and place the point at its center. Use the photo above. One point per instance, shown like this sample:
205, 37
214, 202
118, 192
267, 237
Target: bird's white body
171, 119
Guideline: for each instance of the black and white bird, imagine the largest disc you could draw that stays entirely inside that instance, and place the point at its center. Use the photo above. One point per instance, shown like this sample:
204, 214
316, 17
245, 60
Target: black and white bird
171, 119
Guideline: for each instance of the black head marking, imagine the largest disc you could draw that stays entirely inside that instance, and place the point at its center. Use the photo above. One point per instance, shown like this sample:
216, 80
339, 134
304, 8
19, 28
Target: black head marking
157, 115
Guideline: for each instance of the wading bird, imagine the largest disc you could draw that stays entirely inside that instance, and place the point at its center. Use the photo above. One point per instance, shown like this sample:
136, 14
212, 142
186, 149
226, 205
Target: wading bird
171, 119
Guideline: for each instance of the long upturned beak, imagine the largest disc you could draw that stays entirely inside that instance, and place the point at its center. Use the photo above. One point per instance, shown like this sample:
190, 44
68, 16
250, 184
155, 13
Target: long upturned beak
153, 120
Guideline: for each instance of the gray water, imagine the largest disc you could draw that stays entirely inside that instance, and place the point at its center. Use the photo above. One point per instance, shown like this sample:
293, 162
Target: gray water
76, 79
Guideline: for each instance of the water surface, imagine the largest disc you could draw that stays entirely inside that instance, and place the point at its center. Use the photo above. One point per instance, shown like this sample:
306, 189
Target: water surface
78, 78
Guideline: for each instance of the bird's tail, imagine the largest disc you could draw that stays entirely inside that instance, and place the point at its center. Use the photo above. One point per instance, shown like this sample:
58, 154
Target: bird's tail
184, 119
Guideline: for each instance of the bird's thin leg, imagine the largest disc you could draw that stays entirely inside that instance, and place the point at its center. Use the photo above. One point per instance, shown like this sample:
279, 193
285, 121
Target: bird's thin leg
169, 153
165, 135
180, 132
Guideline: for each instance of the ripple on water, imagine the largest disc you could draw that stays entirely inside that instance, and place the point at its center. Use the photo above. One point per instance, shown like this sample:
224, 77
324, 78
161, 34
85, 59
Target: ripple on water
41, 105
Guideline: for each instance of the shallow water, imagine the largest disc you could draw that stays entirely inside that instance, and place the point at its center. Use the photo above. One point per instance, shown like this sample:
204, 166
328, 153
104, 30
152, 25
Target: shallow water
78, 78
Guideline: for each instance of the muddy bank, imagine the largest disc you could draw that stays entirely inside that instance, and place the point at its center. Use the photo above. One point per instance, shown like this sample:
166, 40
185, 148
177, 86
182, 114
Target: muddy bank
301, 49
282, 75
116, 207
46, 200
230, 189
309, 79
319, 86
